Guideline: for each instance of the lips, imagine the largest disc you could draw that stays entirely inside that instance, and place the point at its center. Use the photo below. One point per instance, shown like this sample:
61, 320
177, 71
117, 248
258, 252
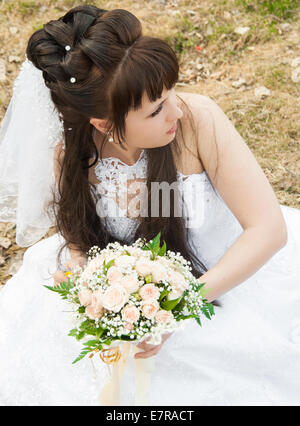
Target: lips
173, 128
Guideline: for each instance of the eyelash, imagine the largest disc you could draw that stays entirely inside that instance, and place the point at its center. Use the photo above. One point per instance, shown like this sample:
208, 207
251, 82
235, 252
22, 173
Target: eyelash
157, 111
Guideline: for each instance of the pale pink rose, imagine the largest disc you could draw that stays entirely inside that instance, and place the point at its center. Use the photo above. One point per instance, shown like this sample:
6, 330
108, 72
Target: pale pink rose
130, 283
97, 299
144, 267
164, 316
128, 326
130, 314
85, 297
93, 312
113, 274
177, 280
175, 294
149, 292
149, 309
114, 298
159, 272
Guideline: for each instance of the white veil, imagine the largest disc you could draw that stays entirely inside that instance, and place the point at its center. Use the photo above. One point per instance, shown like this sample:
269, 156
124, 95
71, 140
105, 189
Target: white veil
29, 133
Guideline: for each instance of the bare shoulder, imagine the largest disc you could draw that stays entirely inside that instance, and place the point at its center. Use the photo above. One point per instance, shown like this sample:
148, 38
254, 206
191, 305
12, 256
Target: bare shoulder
198, 104
192, 131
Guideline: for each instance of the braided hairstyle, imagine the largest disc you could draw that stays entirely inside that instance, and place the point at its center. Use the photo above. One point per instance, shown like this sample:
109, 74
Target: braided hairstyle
113, 64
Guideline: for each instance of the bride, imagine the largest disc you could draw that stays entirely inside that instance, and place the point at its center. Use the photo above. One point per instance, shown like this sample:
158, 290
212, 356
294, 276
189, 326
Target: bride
81, 160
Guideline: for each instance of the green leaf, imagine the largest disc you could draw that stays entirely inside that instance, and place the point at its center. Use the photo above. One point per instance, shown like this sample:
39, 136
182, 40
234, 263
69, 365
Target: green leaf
184, 317
99, 332
156, 243
127, 252
92, 343
208, 310
80, 335
199, 286
163, 294
106, 266
73, 332
85, 324
211, 309
180, 305
168, 305
162, 250
63, 289
50, 288
198, 321
81, 356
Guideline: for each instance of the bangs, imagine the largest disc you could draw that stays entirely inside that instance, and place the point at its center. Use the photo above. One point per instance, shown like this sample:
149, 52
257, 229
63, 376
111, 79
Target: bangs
149, 66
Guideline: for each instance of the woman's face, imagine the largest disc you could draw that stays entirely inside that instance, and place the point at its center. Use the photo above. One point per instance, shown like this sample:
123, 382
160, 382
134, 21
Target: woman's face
147, 127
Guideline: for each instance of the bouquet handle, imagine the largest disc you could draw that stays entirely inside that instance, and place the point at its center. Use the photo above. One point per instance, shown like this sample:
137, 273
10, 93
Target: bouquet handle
110, 394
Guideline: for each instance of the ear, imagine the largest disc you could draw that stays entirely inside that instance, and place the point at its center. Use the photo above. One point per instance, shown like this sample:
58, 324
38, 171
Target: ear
100, 124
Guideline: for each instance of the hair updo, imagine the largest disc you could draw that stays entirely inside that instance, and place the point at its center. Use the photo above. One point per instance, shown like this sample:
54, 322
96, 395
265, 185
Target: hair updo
113, 64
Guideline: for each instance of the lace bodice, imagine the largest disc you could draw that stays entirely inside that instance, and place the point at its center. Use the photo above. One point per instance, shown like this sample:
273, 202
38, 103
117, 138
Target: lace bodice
212, 227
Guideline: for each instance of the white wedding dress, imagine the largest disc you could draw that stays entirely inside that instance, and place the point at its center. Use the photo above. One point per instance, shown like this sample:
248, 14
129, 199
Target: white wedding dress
248, 354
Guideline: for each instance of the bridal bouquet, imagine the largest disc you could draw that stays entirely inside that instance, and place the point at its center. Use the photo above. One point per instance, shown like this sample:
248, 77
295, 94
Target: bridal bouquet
130, 293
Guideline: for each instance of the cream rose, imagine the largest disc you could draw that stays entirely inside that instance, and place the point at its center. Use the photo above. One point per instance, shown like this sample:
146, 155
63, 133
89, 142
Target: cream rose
144, 267
159, 272
164, 316
85, 297
94, 312
113, 274
149, 309
177, 280
130, 283
97, 299
130, 314
114, 298
149, 292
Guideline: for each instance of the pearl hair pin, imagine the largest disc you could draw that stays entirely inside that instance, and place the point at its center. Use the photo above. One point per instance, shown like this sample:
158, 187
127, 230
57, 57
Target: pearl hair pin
67, 47
72, 79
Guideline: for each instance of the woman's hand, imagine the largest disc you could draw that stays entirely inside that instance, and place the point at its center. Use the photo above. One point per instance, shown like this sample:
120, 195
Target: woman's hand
61, 275
150, 350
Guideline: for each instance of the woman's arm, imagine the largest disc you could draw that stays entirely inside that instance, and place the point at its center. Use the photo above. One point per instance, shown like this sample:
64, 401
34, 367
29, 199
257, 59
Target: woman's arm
248, 253
242, 184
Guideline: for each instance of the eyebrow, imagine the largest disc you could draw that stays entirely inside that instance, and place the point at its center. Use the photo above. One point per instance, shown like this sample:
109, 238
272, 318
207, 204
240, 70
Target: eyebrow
157, 106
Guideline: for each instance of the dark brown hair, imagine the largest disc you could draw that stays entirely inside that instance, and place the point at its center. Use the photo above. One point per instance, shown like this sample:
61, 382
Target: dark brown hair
114, 64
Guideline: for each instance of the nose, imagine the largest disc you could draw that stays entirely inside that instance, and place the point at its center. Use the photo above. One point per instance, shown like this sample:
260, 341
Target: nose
175, 113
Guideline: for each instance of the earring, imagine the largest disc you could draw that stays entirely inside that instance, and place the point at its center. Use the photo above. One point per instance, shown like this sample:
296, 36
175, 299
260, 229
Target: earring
110, 139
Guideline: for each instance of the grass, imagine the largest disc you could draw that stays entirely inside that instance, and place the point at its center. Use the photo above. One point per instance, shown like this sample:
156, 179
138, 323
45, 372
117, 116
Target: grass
283, 9
24, 8
184, 38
